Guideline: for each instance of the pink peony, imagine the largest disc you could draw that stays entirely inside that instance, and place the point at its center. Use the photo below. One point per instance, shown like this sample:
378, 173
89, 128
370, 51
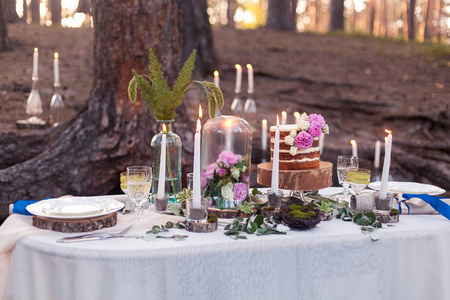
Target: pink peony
210, 171
228, 158
240, 191
303, 140
203, 180
221, 172
315, 130
317, 119
245, 177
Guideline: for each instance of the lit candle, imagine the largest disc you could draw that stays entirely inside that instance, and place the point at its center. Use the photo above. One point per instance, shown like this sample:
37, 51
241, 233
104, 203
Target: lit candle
162, 165
275, 159
376, 162
250, 89
238, 79
264, 135
283, 118
35, 62
56, 68
297, 118
354, 148
386, 166
321, 142
197, 172
216, 78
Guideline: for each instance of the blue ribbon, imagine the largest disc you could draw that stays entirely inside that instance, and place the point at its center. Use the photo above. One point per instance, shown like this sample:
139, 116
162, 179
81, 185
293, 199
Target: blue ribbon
400, 205
435, 202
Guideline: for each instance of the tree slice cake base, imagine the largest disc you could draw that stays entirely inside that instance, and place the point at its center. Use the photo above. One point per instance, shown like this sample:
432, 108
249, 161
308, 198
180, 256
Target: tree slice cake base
227, 213
24, 124
201, 227
75, 225
384, 218
298, 180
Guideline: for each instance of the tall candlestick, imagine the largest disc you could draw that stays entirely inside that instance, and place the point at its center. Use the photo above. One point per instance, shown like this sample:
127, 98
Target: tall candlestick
376, 162
321, 142
162, 165
386, 166
264, 135
216, 78
250, 89
238, 79
276, 157
197, 172
35, 62
297, 118
354, 148
283, 118
56, 68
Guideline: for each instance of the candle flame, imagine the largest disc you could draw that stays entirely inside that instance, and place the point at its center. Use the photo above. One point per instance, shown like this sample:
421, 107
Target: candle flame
264, 121
297, 114
164, 128
56, 55
278, 121
249, 66
199, 126
283, 114
237, 66
353, 142
200, 112
36, 49
388, 131
216, 73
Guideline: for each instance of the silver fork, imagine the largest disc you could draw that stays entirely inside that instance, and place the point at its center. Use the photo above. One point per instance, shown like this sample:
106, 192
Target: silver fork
102, 234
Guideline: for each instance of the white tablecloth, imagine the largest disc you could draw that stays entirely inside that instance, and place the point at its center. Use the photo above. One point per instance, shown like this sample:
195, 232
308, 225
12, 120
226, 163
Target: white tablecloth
334, 261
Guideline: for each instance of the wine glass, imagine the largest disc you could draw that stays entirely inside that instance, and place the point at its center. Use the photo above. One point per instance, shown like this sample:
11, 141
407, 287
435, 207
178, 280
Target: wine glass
123, 182
139, 183
358, 179
344, 163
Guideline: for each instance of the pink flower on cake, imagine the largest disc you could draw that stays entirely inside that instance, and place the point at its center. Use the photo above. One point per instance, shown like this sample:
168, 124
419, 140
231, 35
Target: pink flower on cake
220, 172
317, 119
303, 140
315, 130
227, 159
240, 191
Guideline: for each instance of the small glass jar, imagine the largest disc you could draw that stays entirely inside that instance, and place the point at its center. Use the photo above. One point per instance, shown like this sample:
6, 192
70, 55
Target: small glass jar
225, 161
173, 160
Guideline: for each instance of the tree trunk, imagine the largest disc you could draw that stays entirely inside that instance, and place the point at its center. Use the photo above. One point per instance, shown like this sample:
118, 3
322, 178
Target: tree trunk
196, 34
87, 157
411, 20
55, 6
294, 11
25, 11
35, 15
84, 6
423, 26
337, 15
313, 15
9, 11
371, 16
405, 19
231, 10
279, 15
4, 40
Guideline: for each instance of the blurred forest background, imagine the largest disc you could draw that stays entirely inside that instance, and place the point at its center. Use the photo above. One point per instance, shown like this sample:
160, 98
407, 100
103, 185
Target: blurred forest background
364, 65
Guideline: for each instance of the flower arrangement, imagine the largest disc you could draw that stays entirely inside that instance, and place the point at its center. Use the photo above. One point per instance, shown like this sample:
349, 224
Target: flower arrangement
309, 127
226, 180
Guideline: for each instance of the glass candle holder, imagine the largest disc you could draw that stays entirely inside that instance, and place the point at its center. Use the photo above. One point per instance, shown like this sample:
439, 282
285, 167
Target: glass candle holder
190, 181
274, 199
382, 206
161, 204
197, 212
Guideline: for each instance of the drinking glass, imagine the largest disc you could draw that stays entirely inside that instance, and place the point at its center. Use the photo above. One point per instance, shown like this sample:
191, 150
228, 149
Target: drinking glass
358, 179
344, 163
123, 182
139, 183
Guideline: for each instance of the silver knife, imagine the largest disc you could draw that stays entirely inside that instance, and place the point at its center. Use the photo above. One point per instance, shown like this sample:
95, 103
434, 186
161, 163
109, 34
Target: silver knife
94, 238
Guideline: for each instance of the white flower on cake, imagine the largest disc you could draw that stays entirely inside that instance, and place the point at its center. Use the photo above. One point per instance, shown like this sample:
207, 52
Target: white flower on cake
227, 191
303, 125
293, 150
304, 116
289, 140
293, 133
235, 172
326, 129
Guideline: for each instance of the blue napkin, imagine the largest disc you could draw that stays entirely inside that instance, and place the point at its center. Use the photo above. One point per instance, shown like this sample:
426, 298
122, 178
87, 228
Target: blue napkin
435, 202
20, 207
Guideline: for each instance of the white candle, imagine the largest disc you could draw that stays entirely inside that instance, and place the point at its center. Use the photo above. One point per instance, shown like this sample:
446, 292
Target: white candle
250, 89
264, 135
238, 79
275, 159
216, 78
321, 142
56, 68
354, 148
386, 166
162, 165
297, 117
376, 162
197, 172
283, 118
35, 62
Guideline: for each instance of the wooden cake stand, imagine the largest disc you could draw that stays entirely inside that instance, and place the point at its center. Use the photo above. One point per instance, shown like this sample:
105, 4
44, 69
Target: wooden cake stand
298, 180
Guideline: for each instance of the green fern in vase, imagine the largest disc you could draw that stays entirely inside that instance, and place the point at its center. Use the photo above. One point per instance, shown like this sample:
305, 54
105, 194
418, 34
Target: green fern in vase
161, 99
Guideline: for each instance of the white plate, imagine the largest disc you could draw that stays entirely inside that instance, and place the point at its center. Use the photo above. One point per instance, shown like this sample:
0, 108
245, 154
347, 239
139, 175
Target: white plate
409, 188
75, 207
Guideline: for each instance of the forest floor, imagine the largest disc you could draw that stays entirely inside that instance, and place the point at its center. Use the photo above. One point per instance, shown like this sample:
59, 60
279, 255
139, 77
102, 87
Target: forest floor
361, 85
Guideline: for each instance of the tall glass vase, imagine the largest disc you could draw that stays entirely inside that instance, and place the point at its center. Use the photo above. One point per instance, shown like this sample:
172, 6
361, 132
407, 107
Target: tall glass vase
173, 160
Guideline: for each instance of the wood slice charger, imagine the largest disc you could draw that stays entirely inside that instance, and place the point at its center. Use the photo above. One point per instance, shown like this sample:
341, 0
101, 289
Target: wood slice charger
76, 225
201, 227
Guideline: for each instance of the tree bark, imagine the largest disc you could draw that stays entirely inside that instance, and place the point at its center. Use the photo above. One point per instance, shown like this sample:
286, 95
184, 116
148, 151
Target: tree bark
112, 133
55, 7
411, 20
279, 15
25, 11
371, 16
231, 10
9, 11
35, 15
405, 19
337, 15
294, 12
4, 40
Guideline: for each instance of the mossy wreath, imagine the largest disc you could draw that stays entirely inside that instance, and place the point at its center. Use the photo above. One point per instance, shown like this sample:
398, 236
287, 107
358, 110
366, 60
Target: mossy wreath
301, 217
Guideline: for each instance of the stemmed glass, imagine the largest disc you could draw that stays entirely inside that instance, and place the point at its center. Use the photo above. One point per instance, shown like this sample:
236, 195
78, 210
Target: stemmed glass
139, 183
123, 182
358, 179
344, 163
